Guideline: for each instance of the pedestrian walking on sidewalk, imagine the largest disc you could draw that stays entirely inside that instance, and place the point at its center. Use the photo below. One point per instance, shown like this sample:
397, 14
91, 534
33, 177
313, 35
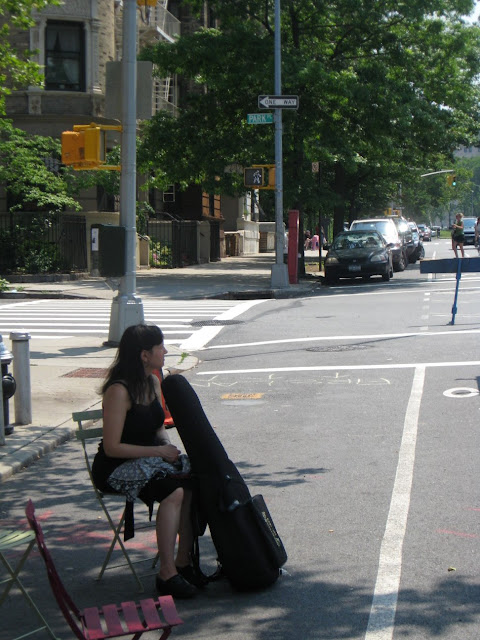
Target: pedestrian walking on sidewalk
137, 459
458, 237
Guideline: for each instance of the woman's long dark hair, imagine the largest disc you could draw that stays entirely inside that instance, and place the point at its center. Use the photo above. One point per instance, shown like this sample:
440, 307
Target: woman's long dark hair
128, 365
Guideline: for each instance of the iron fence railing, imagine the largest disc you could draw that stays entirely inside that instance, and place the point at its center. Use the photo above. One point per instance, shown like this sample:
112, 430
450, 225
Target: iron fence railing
38, 242
173, 243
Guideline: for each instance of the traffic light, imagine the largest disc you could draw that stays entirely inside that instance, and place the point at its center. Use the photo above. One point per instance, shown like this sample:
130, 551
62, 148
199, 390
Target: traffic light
73, 147
452, 180
254, 177
271, 177
81, 149
85, 147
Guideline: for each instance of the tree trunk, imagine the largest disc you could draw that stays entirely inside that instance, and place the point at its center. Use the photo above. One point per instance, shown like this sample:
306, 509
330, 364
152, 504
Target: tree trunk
339, 207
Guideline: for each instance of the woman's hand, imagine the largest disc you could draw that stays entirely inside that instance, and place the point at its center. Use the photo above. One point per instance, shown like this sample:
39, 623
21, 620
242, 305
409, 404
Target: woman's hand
168, 452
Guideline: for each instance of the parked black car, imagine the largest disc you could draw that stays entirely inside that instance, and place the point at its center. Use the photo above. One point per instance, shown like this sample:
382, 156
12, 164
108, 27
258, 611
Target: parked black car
358, 254
416, 249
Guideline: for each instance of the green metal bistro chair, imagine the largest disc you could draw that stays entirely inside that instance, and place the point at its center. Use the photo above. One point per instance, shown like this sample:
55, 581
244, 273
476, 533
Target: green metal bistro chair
93, 435
10, 541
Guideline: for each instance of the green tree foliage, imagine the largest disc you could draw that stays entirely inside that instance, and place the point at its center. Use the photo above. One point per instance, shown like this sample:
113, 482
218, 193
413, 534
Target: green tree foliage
38, 187
387, 90
16, 69
31, 170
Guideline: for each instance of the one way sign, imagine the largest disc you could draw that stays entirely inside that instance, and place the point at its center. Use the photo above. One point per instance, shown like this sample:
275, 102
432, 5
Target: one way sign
278, 102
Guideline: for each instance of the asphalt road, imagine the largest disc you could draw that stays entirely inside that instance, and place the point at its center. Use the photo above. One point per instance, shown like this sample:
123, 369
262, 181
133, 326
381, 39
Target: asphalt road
355, 414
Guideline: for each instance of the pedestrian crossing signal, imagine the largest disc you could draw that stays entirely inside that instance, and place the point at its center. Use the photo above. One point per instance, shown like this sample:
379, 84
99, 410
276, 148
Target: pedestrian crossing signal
260, 176
81, 148
85, 147
254, 177
271, 178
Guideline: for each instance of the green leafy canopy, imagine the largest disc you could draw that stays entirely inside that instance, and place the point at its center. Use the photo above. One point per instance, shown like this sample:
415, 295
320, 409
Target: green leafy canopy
387, 90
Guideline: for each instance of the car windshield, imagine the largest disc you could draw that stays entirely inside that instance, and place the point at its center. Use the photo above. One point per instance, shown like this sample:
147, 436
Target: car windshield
469, 223
385, 227
357, 241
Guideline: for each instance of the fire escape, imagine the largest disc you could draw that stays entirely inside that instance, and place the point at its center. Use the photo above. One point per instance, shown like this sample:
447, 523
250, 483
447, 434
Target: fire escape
158, 24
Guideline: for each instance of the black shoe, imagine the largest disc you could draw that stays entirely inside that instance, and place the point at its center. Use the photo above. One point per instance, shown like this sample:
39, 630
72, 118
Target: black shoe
175, 586
193, 576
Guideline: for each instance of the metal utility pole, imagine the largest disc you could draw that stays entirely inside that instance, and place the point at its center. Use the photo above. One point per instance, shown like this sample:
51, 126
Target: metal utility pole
279, 276
126, 308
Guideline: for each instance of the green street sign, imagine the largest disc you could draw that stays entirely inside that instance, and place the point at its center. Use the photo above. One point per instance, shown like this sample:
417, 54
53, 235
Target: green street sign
259, 118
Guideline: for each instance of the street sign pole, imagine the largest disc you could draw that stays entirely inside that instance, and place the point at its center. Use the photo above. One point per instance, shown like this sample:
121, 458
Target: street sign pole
126, 308
279, 275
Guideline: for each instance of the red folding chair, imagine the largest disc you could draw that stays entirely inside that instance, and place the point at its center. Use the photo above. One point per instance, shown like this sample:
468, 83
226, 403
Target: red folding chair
107, 621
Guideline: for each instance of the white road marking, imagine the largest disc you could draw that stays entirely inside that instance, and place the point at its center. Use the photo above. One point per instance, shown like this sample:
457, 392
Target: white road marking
381, 622
200, 338
374, 336
461, 392
347, 367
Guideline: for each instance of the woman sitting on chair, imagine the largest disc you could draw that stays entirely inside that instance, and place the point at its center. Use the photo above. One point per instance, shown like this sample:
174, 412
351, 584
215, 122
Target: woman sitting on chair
137, 459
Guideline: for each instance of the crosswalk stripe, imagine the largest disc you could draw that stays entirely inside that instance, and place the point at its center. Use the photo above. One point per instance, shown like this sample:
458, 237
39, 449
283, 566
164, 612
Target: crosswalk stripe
49, 318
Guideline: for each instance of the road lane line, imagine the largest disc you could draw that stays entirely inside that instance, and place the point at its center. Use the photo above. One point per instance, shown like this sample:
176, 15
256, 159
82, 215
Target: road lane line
381, 621
346, 367
374, 336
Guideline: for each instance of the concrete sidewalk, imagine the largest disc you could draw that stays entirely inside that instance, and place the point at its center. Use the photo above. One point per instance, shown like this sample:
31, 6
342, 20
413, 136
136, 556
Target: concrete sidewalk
234, 278
61, 383
65, 379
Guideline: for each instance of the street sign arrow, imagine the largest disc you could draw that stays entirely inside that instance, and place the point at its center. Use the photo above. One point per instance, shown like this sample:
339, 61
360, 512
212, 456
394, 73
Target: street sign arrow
278, 102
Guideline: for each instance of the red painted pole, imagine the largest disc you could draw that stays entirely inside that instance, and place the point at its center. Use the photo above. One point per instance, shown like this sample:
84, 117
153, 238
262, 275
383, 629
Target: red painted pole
293, 224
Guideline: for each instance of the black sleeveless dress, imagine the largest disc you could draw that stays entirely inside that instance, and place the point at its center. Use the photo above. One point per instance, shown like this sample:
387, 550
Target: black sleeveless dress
140, 428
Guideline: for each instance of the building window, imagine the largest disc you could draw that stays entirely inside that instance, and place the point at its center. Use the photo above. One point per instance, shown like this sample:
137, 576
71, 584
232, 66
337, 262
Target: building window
64, 56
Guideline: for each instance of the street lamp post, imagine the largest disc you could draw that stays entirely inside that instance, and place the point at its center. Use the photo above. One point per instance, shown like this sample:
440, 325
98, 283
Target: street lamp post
473, 192
279, 275
127, 308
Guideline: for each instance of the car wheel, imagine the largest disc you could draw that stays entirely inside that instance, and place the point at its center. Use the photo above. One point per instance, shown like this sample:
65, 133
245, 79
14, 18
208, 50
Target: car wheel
400, 265
330, 279
386, 276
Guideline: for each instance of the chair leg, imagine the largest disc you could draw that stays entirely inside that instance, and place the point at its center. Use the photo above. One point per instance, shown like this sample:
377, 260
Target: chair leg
14, 573
116, 538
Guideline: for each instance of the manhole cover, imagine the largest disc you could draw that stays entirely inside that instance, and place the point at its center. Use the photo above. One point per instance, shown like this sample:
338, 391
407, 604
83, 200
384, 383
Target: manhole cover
214, 323
86, 373
340, 347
